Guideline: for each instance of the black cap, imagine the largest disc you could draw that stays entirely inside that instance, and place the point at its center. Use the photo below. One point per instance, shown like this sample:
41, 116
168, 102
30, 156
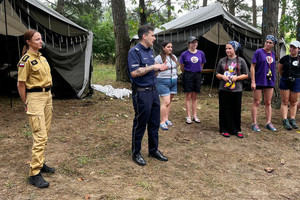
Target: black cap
191, 39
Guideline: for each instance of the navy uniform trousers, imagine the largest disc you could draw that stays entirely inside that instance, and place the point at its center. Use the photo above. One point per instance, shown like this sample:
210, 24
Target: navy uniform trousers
147, 112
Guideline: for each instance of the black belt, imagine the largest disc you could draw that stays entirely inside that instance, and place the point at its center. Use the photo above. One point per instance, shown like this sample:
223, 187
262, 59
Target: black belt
142, 89
38, 89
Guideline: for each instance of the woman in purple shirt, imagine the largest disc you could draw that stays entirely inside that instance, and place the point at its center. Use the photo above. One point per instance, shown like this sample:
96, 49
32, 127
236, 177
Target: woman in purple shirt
263, 76
191, 64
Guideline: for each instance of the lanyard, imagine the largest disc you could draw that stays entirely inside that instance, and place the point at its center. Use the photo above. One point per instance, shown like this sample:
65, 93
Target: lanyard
170, 60
267, 56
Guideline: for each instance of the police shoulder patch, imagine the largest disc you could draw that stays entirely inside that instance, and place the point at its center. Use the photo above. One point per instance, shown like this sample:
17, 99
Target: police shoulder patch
25, 58
34, 62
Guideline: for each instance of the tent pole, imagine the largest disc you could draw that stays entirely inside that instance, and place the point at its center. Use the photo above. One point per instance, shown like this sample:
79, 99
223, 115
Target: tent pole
213, 74
6, 34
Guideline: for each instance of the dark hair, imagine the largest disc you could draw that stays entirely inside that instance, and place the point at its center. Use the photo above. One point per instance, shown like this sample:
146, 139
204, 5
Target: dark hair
27, 36
145, 29
163, 54
237, 63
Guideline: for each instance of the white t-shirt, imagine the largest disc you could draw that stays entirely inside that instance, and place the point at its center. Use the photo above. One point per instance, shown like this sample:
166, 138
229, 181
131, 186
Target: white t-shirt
172, 67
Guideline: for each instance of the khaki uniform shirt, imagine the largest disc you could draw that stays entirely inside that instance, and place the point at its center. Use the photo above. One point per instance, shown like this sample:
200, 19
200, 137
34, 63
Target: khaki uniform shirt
34, 70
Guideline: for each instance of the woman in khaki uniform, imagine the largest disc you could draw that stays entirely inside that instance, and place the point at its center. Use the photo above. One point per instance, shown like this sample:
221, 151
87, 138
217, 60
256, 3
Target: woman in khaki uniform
34, 83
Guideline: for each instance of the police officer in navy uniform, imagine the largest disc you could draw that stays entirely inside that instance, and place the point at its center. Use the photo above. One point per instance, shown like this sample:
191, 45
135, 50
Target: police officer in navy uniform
142, 67
34, 86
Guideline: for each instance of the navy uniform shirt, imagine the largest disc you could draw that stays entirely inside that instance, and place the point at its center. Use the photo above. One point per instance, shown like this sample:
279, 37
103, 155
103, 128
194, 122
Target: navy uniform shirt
140, 56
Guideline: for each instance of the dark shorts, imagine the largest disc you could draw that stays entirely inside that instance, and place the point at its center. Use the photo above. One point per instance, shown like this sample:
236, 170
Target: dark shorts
260, 87
284, 85
192, 81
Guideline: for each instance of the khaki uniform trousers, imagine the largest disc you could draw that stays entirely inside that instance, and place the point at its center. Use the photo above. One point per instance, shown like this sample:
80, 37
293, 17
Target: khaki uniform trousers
39, 111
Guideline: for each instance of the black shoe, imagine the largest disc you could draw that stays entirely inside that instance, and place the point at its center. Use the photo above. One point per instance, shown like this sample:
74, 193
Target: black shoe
38, 181
286, 124
158, 155
138, 159
293, 123
46, 169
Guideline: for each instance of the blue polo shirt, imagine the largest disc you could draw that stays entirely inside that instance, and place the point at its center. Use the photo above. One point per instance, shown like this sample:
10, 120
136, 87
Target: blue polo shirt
140, 56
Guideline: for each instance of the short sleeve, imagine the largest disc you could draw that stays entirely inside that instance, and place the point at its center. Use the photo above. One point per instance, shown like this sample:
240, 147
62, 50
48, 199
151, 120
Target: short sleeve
182, 58
158, 59
23, 70
244, 69
219, 68
255, 57
203, 57
133, 61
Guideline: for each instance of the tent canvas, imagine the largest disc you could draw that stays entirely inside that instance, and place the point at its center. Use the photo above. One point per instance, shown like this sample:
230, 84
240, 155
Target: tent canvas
214, 27
68, 47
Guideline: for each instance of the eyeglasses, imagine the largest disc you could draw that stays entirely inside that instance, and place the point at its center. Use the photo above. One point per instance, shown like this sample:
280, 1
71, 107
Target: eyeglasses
268, 42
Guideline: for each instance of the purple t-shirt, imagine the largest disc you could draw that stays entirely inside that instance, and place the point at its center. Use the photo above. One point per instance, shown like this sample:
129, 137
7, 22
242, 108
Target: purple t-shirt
264, 61
192, 61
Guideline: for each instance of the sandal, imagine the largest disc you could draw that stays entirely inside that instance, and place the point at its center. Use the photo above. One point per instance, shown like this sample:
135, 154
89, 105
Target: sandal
164, 127
240, 135
225, 134
188, 120
169, 123
196, 119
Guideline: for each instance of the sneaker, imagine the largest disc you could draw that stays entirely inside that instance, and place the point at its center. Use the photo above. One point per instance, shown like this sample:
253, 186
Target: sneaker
255, 127
286, 124
46, 169
293, 123
271, 127
38, 181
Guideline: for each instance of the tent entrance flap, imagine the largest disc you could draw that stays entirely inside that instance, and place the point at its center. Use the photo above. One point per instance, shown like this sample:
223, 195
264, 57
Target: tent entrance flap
14, 25
217, 34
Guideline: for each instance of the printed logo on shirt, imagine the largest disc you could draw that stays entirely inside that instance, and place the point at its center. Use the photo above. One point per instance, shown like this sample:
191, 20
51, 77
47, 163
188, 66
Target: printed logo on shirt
295, 63
21, 65
34, 62
269, 59
194, 59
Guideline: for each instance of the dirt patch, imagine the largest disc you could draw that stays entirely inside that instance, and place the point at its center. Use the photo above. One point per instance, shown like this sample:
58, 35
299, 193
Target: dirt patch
90, 145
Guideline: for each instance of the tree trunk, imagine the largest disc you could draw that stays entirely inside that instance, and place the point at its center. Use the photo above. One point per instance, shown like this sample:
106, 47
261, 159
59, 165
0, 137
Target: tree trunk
204, 3
298, 21
143, 16
270, 26
122, 38
60, 7
232, 7
283, 4
169, 9
254, 13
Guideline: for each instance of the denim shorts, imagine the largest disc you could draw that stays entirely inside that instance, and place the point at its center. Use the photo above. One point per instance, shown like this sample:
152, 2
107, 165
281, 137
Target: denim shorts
283, 85
165, 86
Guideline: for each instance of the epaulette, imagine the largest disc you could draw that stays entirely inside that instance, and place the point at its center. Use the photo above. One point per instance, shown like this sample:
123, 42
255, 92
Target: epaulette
25, 58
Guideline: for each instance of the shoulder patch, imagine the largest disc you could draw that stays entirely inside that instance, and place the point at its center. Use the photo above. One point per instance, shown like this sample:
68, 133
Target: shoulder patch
34, 62
25, 58
21, 64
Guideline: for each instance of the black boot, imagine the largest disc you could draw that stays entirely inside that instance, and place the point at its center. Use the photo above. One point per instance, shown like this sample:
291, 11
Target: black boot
38, 181
46, 169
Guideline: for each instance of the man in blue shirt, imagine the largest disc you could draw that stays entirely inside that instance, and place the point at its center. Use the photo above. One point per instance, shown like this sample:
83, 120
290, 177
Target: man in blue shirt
141, 67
